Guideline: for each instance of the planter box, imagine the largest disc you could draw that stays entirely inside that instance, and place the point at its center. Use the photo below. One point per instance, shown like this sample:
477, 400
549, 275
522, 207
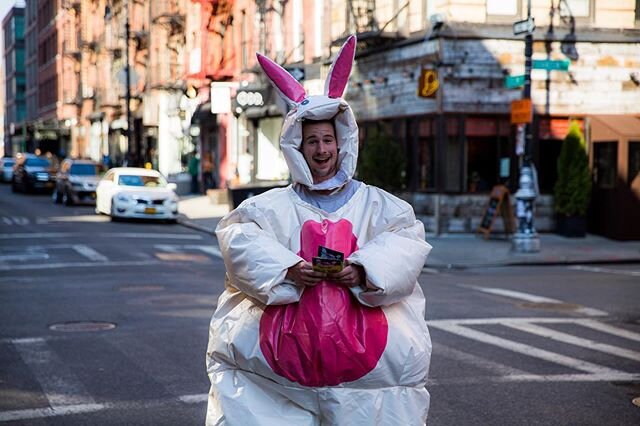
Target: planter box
571, 226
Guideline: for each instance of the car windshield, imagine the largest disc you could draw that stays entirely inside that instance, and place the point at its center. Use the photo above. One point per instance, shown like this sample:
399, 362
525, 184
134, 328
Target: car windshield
83, 169
148, 181
8, 162
37, 162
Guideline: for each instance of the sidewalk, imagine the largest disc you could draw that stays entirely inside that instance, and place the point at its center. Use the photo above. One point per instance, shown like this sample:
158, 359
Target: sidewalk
459, 251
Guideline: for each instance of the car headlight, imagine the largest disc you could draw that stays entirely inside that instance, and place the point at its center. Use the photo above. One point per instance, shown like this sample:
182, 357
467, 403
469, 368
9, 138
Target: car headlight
123, 198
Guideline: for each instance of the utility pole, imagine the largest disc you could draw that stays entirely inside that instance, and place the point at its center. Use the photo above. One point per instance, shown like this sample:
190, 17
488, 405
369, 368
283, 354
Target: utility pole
526, 239
129, 132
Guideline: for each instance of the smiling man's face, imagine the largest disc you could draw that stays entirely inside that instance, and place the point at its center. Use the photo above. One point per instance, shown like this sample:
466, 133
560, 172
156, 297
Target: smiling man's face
320, 149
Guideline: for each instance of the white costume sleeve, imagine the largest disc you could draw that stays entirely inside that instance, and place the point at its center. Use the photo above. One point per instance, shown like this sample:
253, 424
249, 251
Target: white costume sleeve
393, 259
255, 260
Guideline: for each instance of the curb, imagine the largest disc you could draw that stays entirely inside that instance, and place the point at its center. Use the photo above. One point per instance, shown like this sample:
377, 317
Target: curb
188, 224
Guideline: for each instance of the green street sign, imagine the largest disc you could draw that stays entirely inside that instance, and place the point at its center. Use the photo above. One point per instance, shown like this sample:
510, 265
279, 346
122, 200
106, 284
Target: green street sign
513, 81
551, 65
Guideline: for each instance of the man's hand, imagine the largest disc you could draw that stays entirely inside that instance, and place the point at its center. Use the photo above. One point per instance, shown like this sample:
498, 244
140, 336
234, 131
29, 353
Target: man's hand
351, 276
302, 273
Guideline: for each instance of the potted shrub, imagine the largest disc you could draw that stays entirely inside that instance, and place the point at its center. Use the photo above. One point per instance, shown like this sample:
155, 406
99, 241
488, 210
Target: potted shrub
572, 190
382, 162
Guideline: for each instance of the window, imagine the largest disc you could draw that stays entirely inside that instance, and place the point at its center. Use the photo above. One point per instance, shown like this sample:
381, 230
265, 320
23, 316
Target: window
575, 8
502, 7
421, 163
605, 164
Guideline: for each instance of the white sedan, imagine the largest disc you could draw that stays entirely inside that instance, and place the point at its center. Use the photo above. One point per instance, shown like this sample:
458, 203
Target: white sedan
130, 192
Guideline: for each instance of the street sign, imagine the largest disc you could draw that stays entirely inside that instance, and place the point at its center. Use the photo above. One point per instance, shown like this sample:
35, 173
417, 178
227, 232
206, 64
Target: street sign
551, 65
428, 83
513, 81
524, 27
521, 111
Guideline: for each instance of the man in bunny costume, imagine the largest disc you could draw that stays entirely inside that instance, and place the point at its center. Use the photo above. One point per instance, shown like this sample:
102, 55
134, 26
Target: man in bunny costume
291, 346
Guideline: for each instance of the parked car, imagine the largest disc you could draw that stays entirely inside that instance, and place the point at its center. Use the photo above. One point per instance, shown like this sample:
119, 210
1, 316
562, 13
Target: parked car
6, 168
130, 192
76, 182
33, 173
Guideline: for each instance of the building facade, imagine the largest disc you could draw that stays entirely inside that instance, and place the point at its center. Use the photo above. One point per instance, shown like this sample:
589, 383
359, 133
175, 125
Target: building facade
13, 26
436, 77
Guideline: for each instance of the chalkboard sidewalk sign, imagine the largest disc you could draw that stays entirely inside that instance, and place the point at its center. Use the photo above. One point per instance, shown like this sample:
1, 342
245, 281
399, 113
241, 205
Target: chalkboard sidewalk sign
499, 203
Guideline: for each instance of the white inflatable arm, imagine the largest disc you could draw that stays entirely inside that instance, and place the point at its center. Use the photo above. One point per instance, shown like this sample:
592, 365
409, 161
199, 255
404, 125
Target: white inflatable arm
393, 259
255, 260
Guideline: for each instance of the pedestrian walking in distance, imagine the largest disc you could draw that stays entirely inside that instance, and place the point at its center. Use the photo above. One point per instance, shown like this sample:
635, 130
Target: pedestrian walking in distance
322, 319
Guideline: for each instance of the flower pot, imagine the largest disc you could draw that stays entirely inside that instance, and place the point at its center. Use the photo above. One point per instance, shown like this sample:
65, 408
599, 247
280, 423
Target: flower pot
571, 226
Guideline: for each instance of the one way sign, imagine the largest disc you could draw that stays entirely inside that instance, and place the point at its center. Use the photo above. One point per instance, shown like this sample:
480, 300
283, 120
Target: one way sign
527, 26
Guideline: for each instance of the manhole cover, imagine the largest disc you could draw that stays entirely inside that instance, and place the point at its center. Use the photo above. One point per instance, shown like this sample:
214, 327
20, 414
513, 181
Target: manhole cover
636, 401
79, 326
551, 305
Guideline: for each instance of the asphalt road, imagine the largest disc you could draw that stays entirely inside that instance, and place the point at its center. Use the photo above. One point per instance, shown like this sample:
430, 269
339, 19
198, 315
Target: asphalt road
106, 323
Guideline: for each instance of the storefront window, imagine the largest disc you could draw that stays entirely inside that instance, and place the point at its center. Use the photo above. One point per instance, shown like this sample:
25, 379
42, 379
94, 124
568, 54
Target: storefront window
270, 161
422, 172
605, 167
488, 153
454, 156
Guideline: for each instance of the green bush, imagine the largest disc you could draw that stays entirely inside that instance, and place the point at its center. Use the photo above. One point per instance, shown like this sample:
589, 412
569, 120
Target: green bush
572, 190
382, 162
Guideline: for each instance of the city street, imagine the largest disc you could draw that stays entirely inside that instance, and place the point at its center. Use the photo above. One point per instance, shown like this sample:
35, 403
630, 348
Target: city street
106, 323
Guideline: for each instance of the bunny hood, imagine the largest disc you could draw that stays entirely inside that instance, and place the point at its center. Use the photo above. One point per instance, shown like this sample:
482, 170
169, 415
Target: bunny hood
322, 107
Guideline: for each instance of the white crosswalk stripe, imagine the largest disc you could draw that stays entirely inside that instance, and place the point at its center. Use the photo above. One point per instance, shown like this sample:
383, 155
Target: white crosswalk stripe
592, 371
176, 248
59, 384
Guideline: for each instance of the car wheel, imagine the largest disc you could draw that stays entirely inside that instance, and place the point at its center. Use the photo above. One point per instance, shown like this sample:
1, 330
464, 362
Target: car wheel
14, 186
114, 218
66, 198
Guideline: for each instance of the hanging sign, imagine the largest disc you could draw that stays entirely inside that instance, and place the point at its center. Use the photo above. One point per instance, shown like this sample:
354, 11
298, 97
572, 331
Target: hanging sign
428, 83
521, 111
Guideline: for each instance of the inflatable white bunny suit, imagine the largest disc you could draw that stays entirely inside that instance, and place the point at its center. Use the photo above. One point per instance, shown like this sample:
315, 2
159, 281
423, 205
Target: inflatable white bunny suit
282, 354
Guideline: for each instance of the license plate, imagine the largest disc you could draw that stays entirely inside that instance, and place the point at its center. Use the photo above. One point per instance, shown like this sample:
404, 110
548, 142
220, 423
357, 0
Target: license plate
149, 210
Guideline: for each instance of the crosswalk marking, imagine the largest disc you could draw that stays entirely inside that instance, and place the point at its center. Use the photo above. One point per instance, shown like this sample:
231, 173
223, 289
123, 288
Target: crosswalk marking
173, 248
39, 235
503, 370
525, 349
620, 332
78, 265
89, 253
60, 386
16, 220
534, 298
576, 341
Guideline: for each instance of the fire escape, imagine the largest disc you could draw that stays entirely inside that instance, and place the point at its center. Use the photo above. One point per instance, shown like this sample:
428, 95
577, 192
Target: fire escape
71, 50
219, 62
361, 20
166, 65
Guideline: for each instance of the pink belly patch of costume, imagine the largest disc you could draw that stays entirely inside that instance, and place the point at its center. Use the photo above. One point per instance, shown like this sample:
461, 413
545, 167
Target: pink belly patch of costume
328, 337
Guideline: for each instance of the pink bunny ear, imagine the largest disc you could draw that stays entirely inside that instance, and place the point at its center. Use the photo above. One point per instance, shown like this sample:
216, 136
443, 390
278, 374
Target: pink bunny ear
289, 87
341, 69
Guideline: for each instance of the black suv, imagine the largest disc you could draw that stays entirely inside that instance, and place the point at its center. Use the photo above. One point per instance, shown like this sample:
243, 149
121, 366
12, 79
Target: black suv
33, 173
76, 182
